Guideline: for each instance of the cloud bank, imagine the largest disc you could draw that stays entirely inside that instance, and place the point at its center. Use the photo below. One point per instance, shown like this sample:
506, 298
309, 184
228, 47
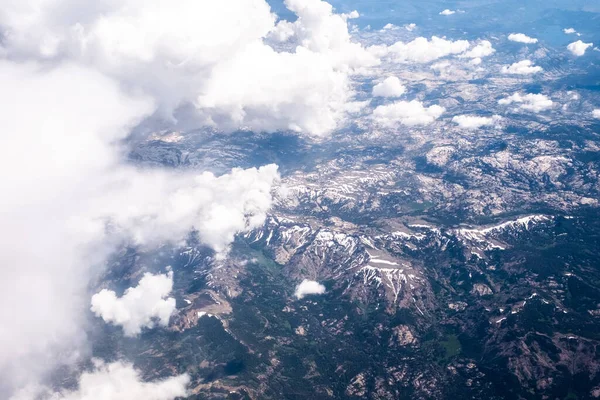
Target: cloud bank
91, 76
192, 52
75, 200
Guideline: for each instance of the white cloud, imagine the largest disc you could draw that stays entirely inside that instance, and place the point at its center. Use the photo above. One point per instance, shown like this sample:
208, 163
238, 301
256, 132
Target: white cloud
390, 27
475, 122
409, 113
421, 50
163, 205
143, 306
308, 287
530, 102
114, 381
74, 200
482, 49
596, 113
390, 87
569, 31
521, 38
441, 66
201, 54
578, 48
44, 254
524, 67
447, 12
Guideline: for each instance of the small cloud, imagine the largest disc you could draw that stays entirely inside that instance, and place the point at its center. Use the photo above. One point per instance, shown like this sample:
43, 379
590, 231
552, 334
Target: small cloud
447, 12
410, 113
569, 31
530, 102
410, 27
596, 113
308, 287
524, 67
390, 27
352, 15
140, 307
578, 48
483, 49
390, 87
475, 122
521, 38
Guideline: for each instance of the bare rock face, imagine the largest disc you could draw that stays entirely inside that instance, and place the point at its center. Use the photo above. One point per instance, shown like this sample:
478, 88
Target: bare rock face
458, 306
357, 386
403, 336
300, 331
481, 289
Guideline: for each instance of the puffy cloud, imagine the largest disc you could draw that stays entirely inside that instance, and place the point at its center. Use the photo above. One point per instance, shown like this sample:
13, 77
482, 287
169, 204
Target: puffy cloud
410, 27
521, 38
198, 52
390, 27
299, 92
389, 87
308, 287
124, 40
569, 31
578, 48
409, 113
529, 102
422, 50
482, 49
156, 205
319, 29
524, 67
475, 122
142, 306
114, 381
447, 12
596, 113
